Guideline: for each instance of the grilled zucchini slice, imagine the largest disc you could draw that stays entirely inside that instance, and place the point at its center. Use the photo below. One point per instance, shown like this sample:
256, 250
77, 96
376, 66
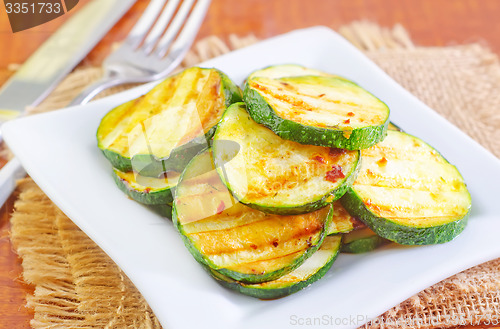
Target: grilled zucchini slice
342, 221
275, 175
317, 110
362, 240
408, 193
287, 70
239, 242
147, 190
314, 268
165, 128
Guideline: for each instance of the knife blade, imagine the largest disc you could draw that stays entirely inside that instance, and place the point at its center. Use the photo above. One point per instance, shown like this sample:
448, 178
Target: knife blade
38, 76
58, 55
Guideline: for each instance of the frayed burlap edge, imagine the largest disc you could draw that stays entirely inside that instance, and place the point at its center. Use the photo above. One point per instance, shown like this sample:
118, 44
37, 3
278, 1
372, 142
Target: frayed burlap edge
78, 286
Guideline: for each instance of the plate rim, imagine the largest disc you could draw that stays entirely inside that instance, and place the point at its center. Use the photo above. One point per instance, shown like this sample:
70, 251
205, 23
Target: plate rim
9, 128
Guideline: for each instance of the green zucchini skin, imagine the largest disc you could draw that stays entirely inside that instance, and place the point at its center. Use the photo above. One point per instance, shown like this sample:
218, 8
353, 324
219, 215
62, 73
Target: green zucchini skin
236, 122
403, 168
296, 242
148, 165
117, 161
357, 139
367, 242
276, 289
232, 93
152, 166
363, 245
164, 210
402, 234
145, 195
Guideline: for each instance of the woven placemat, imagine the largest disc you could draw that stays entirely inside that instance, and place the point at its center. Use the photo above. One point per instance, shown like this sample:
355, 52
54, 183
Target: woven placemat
78, 286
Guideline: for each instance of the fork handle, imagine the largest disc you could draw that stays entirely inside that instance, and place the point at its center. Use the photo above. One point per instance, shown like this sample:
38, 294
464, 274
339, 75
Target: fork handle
96, 88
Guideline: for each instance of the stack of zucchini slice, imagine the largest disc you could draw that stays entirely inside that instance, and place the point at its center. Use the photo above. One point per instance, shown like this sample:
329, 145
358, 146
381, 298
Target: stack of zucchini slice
404, 190
270, 187
241, 243
149, 140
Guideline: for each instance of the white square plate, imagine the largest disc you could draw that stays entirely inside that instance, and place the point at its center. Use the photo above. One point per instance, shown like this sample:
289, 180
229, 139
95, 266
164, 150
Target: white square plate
59, 151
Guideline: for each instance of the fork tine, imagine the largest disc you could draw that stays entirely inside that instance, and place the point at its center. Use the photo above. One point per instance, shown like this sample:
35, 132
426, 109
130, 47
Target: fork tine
160, 26
175, 26
127, 65
141, 28
188, 33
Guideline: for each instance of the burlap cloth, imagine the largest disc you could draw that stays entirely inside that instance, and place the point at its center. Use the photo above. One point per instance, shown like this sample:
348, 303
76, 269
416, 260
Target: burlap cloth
78, 286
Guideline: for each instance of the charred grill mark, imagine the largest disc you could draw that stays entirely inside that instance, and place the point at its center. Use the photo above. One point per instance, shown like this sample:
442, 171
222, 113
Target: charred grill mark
299, 103
144, 104
126, 113
209, 105
287, 180
303, 230
293, 176
374, 179
400, 211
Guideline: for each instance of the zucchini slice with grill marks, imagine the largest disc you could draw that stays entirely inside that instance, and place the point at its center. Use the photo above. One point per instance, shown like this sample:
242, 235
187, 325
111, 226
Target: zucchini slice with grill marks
239, 242
317, 110
342, 221
314, 268
287, 70
275, 175
163, 129
361, 240
408, 193
147, 190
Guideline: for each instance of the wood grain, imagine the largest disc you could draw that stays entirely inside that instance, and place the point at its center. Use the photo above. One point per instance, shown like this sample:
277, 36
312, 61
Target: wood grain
429, 22
13, 313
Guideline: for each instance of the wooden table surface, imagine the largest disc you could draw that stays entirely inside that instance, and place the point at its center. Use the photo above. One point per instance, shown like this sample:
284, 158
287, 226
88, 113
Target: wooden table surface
429, 22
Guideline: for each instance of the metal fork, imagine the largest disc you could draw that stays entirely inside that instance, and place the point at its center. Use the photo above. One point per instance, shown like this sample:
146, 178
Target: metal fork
150, 52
